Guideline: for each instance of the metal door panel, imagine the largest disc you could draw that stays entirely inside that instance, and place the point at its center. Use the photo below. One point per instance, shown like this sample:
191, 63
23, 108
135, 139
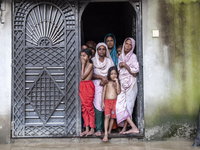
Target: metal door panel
44, 69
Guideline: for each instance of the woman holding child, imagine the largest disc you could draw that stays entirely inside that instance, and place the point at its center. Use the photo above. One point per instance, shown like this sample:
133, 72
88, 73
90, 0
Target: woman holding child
101, 62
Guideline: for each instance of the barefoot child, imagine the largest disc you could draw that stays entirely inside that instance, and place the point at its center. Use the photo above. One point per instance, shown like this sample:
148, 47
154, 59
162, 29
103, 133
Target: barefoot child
86, 92
110, 92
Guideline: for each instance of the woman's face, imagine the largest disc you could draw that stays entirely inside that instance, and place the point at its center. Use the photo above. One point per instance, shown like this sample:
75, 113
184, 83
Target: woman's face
127, 46
110, 42
101, 51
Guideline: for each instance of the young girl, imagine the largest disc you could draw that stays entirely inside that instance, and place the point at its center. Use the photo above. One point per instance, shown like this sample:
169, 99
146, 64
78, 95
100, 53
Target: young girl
86, 92
110, 92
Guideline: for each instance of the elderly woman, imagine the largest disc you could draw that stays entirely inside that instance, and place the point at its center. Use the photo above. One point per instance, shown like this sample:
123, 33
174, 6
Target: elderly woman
128, 68
101, 62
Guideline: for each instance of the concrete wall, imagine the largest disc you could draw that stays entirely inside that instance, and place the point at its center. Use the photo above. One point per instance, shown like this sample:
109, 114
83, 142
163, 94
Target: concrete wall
5, 75
171, 68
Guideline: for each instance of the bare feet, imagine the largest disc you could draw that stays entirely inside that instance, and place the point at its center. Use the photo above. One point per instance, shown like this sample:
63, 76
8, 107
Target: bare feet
122, 131
90, 133
83, 133
98, 133
105, 138
132, 131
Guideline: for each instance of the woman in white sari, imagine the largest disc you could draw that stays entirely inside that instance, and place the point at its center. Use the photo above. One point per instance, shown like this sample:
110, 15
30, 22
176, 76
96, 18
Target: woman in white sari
128, 68
102, 62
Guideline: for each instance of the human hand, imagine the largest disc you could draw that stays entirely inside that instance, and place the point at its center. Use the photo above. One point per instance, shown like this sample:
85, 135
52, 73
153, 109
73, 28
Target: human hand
122, 64
104, 80
116, 80
83, 61
101, 83
103, 105
134, 74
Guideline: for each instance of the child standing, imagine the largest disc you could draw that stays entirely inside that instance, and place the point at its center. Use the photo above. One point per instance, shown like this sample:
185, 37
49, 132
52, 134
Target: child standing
87, 91
110, 92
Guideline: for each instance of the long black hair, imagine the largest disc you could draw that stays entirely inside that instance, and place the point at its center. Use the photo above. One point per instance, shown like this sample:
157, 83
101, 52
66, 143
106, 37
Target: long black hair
88, 52
109, 71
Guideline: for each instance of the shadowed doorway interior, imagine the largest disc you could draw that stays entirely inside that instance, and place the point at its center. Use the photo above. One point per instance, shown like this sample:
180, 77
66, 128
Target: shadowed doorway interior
101, 18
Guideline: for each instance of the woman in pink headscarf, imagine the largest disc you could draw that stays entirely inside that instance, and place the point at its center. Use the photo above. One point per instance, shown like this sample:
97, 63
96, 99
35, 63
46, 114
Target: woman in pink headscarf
101, 62
128, 68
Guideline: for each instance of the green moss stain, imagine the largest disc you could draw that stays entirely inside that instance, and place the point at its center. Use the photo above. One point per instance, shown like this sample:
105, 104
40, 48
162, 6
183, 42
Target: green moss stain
180, 25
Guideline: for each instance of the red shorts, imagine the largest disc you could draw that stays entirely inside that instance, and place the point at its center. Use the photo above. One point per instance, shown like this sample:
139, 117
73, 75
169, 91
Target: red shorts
110, 107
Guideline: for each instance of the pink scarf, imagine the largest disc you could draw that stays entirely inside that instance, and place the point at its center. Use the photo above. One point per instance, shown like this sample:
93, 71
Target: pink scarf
126, 99
125, 77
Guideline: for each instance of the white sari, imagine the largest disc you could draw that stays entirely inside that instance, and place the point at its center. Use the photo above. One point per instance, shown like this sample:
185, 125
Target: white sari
126, 99
100, 68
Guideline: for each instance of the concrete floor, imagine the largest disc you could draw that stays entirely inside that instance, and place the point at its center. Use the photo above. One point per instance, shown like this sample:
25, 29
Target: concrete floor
97, 144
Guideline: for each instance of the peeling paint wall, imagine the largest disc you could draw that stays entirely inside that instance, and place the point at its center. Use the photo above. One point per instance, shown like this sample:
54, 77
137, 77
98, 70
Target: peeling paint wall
171, 68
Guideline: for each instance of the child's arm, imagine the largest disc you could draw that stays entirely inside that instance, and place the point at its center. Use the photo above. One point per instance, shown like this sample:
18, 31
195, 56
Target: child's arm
103, 97
118, 89
85, 71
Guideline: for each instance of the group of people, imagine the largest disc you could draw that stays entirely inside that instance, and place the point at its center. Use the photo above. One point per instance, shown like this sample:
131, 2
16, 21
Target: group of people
108, 86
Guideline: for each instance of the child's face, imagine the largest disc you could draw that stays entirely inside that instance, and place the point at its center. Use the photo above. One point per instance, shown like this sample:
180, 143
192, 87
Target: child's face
113, 75
110, 42
119, 51
101, 51
85, 56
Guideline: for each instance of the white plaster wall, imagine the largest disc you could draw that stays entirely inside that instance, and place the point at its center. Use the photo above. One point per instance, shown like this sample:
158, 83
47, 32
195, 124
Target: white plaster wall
5, 75
156, 61
166, 86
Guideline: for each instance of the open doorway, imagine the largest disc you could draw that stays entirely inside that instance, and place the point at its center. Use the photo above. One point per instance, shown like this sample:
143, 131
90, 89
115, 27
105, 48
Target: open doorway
119, 18
101, 18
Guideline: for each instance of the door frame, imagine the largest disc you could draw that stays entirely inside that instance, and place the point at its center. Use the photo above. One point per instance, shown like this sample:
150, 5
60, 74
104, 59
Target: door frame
137, 5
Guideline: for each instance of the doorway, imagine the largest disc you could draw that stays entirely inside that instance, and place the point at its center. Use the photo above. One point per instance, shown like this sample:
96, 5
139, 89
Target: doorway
102, 18
121, 19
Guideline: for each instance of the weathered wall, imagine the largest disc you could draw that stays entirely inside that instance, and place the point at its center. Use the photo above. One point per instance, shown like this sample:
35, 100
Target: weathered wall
171, 68
5, 75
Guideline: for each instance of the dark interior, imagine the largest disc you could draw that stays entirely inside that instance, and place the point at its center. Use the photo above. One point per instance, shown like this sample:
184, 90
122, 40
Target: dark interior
101, 18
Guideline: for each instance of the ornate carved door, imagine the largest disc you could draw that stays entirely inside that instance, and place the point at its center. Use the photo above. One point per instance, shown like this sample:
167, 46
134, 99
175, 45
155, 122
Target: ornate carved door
45, 77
